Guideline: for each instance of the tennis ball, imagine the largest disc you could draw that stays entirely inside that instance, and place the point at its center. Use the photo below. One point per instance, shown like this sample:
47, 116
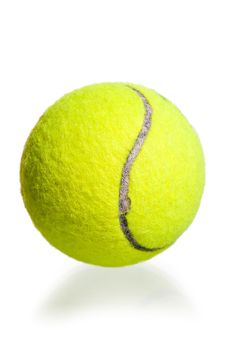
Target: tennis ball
112, 174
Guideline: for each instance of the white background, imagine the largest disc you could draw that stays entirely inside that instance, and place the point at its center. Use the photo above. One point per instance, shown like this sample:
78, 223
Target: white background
182, 298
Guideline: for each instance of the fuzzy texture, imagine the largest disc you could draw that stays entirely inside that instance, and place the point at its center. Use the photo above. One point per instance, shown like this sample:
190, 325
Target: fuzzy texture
72, 165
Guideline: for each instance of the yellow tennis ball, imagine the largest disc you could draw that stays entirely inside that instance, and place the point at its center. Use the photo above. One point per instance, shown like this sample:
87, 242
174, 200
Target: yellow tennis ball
112, 174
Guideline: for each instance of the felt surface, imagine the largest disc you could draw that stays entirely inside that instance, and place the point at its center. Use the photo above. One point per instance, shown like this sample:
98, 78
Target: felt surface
71, 171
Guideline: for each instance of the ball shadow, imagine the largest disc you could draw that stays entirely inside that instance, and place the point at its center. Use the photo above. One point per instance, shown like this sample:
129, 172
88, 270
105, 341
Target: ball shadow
87, 288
